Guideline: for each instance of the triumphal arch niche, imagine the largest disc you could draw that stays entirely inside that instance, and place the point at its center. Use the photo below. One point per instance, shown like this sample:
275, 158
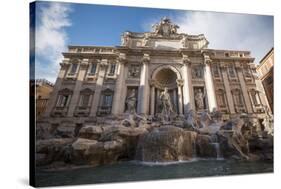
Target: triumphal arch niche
147, 69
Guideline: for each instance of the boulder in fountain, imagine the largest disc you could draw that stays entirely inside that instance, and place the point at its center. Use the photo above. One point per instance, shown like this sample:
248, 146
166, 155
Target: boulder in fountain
166, 143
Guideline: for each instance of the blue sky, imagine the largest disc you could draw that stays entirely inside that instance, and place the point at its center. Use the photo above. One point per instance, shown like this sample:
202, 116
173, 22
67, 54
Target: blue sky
62, 24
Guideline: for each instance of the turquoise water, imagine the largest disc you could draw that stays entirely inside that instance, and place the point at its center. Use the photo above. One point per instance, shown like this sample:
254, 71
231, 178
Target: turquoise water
136, 171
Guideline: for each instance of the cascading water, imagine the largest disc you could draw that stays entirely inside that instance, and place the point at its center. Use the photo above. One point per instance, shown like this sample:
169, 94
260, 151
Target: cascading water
216, 145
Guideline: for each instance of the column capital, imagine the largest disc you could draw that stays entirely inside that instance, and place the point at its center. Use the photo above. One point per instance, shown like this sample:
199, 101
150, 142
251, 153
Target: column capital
180, 82
122, 59
64, 64
207, 59
223, 65
146, 58
104, 63
84, 63
237, 65
185, 59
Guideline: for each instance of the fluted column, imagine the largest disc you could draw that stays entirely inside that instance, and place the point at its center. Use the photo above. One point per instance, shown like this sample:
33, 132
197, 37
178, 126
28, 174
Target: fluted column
52, 102
152, 97
120, 92
209, 84
187, 84
76, 92
98, 88
243, 87
227, 89
180, 83
143, 97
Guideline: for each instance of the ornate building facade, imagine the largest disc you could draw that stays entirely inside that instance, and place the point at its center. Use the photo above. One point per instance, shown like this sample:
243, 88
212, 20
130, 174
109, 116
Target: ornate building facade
96, 81
265, 71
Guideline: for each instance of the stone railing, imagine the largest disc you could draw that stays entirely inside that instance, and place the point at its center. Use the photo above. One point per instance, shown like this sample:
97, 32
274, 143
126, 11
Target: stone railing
96, 50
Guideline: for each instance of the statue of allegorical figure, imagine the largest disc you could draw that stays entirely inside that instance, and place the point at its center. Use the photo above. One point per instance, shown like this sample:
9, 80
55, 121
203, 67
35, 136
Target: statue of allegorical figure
167, 108
131, 102
199, 99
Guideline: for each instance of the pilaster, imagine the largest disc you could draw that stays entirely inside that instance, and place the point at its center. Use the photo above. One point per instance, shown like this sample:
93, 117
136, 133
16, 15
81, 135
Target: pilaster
76, 92
98, 89
120, 88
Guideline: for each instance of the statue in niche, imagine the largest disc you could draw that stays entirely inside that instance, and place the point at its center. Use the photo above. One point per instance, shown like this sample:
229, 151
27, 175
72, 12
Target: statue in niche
199, 99
167, 108
131, 102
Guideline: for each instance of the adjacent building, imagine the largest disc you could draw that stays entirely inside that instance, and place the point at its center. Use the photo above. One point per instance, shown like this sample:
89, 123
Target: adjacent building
265, 71
95, 81
43, 90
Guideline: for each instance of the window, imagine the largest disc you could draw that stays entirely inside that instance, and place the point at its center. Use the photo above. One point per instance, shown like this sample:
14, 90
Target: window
107, 100
73, 68
226, 54
85, 100
216, 70
237, 98
247, 72
63, 97
93, 69
112, 69
231, 71
255, 97
62, 100
221, 98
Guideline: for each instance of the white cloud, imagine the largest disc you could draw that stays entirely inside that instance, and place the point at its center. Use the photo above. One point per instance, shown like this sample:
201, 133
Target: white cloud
231, 31
51, 39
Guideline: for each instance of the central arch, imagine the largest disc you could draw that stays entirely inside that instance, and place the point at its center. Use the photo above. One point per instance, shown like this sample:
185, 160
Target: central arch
169, 77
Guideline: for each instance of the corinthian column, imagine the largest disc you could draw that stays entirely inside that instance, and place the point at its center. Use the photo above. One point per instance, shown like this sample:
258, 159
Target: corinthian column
152, 97
187, 83
209, 84
180, 84
120, 92
143, 97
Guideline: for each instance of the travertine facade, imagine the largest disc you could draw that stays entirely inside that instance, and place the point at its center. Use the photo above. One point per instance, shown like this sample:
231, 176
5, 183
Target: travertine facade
265, 71
95, 81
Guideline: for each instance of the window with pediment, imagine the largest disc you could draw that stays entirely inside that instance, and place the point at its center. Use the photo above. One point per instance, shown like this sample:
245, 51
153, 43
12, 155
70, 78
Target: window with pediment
85, 97
63, 98
215, 69
231, 71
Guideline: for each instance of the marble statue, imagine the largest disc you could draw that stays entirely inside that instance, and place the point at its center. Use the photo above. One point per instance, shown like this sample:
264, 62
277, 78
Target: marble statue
199, 99
191, 119
167, 108
125, 39
131, 102
268, 121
